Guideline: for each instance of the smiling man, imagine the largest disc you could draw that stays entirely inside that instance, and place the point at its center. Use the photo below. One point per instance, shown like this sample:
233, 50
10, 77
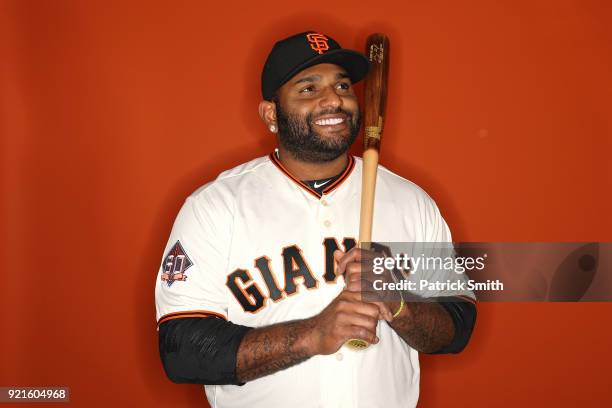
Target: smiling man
251, 295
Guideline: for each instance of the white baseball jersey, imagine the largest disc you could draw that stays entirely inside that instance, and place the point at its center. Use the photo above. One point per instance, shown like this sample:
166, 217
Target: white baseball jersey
255, 247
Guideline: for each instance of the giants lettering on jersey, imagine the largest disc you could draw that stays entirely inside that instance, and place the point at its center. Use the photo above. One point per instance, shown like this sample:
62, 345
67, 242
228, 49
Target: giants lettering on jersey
296, 269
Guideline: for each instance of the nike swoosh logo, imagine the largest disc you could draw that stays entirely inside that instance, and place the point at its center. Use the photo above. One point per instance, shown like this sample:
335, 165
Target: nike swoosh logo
322, 184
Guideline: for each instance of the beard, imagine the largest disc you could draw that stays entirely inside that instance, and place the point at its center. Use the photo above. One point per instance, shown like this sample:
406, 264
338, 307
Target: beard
296, 135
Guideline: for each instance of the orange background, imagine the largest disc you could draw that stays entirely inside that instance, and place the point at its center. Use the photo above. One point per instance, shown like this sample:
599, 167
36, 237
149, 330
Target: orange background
111, 113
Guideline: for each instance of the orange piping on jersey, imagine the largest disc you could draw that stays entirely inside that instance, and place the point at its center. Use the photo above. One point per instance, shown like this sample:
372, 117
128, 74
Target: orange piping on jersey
189, 313
299, 182
305, 186
343, 177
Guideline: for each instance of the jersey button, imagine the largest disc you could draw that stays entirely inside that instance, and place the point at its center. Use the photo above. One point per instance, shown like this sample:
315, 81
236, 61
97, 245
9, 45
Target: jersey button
324, 203
339, 356
327, 223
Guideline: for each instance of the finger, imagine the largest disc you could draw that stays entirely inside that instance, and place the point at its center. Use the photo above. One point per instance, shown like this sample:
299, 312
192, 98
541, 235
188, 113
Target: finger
353, 301
364, 285
355, 305
385, 311
357, 332
350, 256
354, 267
358, 319
347, 297
373, 297
352, 274
356, 270
354, 285
338, 255
361, 263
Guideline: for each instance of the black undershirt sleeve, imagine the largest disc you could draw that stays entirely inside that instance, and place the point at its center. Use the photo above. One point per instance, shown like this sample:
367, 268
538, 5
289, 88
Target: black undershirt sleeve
463, 314
200, 350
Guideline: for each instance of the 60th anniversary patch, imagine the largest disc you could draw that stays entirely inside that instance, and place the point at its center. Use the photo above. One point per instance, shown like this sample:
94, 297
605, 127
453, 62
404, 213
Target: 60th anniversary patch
175, 264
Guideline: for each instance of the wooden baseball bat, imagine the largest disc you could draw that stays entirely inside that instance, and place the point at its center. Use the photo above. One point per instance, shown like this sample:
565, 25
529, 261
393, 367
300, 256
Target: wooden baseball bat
377, 51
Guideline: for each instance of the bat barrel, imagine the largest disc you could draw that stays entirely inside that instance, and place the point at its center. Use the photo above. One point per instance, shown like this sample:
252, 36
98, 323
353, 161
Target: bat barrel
377, 51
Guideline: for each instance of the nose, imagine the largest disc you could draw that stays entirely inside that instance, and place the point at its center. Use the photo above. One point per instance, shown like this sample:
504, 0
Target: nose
330, 98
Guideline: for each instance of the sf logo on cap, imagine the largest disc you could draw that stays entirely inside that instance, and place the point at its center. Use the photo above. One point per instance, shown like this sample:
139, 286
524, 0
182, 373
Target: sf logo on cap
318, 42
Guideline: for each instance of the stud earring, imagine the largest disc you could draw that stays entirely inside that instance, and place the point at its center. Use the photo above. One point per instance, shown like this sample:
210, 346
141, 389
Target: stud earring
273, 128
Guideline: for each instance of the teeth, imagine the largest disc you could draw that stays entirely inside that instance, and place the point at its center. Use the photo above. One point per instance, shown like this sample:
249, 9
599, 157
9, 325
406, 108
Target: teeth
326, 122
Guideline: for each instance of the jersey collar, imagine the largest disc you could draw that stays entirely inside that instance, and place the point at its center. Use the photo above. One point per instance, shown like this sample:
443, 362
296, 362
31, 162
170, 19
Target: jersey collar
332, 186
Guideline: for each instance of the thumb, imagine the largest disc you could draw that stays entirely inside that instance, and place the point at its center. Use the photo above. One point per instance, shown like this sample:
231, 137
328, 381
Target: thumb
338, 254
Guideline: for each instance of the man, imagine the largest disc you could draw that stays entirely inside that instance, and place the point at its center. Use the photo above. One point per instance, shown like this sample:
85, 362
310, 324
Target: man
252, 295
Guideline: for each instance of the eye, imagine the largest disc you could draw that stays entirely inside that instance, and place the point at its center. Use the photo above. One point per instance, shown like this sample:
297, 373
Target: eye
308, 89
344, 86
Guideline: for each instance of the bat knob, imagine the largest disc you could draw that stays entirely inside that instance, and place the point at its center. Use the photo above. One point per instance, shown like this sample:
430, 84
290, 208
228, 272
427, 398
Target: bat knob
357, 344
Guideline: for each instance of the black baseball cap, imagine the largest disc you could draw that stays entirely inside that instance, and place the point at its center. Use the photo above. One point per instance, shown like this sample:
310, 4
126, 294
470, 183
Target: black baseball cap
303, 50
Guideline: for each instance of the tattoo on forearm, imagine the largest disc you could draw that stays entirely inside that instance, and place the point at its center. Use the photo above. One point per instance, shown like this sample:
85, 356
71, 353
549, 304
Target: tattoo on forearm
426, 326
270, 349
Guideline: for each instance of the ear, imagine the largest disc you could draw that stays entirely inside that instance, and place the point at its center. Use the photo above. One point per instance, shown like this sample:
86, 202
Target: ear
267, 113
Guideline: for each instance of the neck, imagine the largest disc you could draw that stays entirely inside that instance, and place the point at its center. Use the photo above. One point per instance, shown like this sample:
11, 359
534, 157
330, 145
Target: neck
312, 171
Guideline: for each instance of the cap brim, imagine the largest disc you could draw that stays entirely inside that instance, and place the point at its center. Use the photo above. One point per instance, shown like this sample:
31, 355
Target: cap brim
355, 64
